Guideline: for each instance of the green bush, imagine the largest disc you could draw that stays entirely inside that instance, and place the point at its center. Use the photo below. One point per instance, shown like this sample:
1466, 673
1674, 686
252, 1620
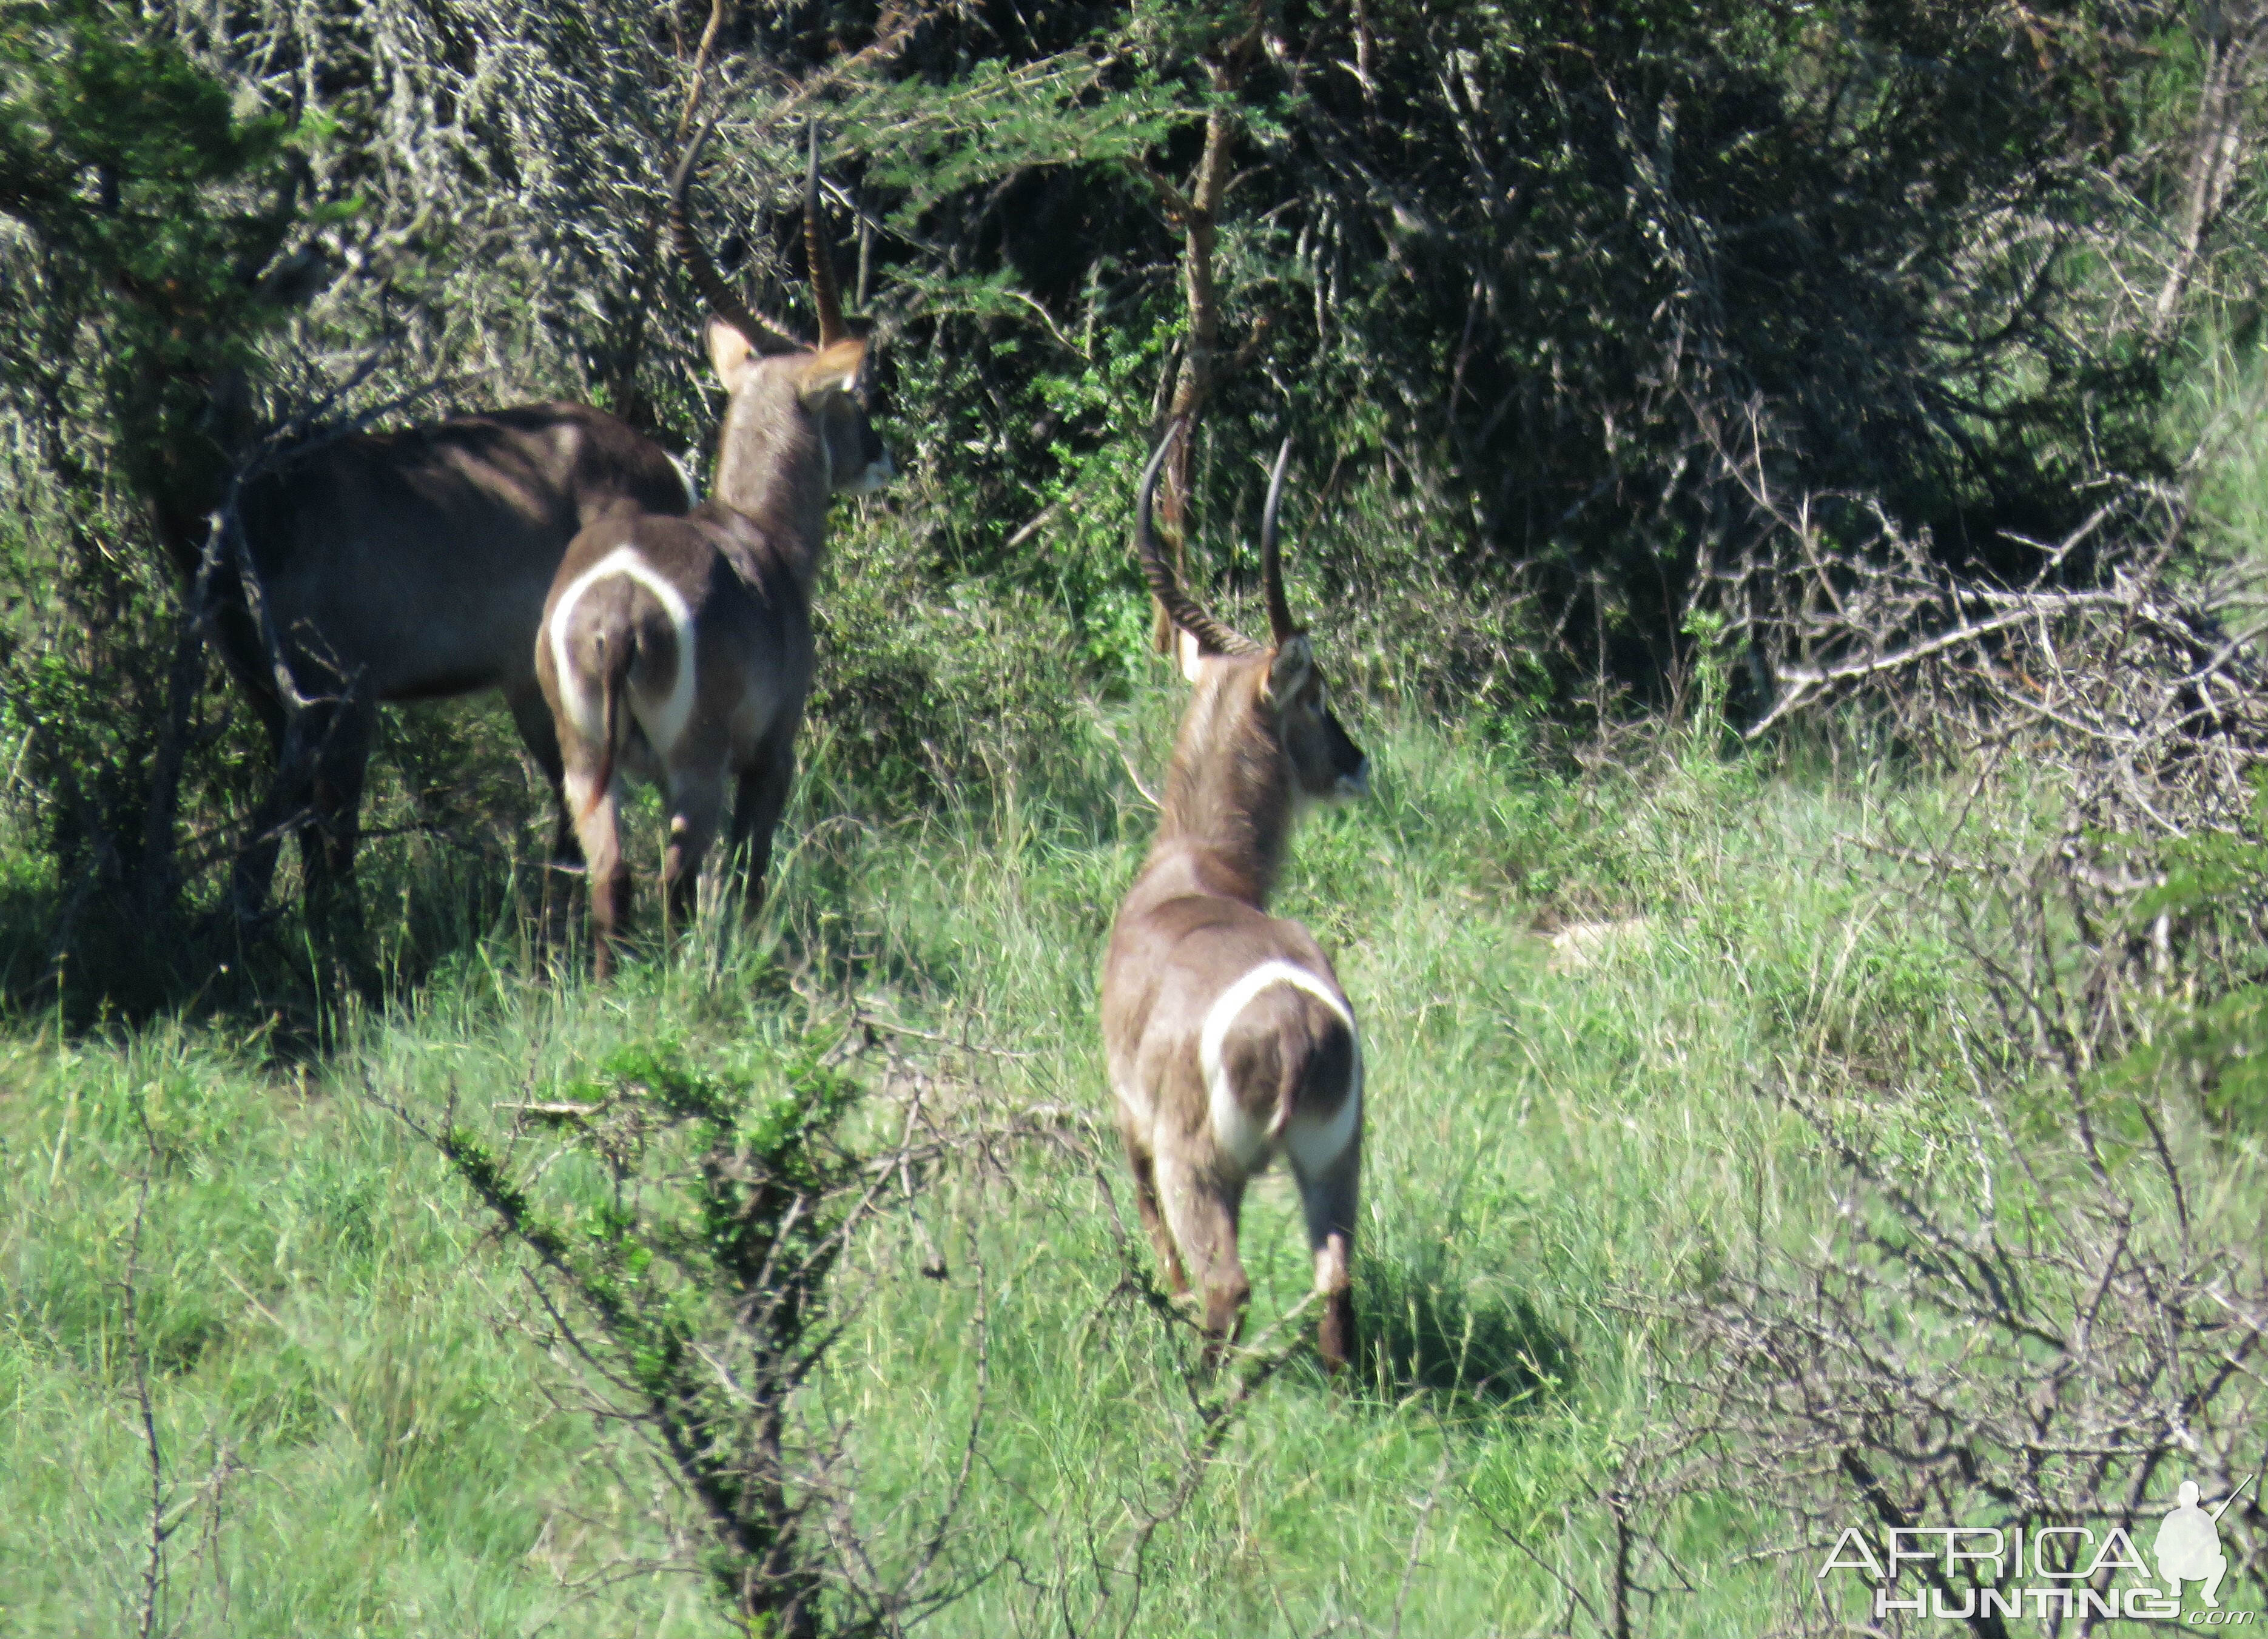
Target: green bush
686, 1237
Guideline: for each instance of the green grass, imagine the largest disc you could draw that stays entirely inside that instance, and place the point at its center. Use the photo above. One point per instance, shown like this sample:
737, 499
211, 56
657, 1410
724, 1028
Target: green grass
361, 1435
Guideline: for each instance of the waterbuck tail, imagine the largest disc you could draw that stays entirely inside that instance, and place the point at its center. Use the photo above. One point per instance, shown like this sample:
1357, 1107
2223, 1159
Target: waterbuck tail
614, 673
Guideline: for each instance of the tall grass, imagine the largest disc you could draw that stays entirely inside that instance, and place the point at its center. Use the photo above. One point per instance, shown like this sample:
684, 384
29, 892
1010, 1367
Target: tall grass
360, 1434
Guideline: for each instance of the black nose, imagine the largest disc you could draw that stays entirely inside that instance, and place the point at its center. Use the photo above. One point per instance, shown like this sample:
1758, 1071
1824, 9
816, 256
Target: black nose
870, 443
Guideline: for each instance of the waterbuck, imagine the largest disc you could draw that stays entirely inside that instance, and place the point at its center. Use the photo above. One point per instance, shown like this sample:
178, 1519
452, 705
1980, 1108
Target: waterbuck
404, 566
679, 649
1229, 1040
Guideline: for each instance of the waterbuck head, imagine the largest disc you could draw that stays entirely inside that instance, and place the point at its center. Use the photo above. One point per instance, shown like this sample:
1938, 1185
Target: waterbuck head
1260, 739
798, 419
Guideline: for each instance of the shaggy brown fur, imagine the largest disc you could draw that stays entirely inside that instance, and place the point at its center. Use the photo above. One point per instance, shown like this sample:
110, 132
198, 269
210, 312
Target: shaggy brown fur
678, 649
1228, 1037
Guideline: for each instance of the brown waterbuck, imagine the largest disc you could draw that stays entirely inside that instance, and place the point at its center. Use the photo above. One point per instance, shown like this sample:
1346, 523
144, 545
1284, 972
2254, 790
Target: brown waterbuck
1228, 1038
406, 566
679, 649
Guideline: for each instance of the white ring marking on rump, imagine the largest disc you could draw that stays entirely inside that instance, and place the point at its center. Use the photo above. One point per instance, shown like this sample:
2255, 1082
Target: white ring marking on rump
662, 731
1234, 1128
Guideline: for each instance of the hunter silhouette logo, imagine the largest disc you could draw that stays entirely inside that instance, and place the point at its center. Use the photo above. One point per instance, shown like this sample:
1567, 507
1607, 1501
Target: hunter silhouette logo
2189, 1544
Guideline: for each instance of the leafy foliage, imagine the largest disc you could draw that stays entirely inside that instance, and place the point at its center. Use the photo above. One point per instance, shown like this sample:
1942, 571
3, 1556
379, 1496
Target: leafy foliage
161, 208
1559, 273
149, 215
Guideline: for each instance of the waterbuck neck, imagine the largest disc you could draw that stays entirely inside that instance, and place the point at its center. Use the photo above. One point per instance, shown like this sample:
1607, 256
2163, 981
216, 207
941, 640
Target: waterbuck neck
772, 463
1228, 793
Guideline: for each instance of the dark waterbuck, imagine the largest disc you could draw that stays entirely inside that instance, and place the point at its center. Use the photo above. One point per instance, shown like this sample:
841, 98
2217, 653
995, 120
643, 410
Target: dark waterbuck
1229, 1040
404, 566
679, 649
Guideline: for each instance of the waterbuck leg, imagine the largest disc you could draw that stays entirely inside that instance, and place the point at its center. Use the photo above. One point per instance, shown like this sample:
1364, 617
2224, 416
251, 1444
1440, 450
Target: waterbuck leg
596, 827
341, 760
1202, 1214
245, 657
696, 803
1145, 1202
1328, 1199
288, 806
756, 809
255, 866
540, 735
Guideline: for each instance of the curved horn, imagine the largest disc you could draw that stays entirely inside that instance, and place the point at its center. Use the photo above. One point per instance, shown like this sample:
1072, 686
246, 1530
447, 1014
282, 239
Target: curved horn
1271, 566
723, 300
1181, 608
825, 292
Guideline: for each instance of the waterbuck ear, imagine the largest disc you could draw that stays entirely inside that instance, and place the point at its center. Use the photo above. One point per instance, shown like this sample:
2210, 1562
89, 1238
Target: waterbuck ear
728, 352
1288, 669
835, 369
1189, 653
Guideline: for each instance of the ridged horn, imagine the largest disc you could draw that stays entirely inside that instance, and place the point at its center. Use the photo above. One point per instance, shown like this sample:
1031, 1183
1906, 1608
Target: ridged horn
1271, 565
723, 300
825, 292
1181, 608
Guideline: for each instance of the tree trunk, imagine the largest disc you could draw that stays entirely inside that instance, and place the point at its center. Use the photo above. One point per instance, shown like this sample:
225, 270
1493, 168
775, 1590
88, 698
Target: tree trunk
1200, 373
